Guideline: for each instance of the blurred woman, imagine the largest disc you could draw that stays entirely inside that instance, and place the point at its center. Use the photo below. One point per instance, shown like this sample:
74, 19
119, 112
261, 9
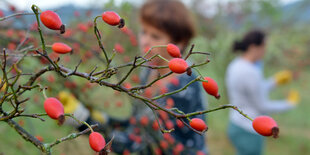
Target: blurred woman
162, 22
248, 90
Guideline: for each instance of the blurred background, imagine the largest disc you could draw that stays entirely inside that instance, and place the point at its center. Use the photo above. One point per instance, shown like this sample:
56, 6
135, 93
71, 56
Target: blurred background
219, 24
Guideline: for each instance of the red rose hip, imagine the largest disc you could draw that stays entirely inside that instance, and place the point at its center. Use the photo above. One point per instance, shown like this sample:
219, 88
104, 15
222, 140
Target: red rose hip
119, 48
211, 87
54, 109
144, 120
198, 124
61, 48
112, 18
52, 21
178, 65
266, 126
173, 51
96, 141
1, 13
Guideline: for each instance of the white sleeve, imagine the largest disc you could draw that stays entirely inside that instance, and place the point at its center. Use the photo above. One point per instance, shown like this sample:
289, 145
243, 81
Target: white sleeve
255, 89
269, 84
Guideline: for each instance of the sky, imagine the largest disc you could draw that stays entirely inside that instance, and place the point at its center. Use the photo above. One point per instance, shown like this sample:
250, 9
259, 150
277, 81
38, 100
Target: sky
43, 4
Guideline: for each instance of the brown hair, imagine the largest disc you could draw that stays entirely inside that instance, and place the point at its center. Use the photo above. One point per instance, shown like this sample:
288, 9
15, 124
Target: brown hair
254, 37
170, 16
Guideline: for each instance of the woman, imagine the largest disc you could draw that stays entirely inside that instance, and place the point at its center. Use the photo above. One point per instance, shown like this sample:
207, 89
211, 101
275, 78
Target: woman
248, 90
162, 22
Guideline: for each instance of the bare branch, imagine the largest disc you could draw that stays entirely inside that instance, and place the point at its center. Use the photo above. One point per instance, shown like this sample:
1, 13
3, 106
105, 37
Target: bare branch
70, 137
14, 15
27, 136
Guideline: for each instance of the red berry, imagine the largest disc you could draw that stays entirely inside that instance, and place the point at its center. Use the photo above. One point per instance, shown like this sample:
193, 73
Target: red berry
175, 81
148, 93
127, 85
265, 126
119, 48
70, 85
163, 115
132, 120
12, 8
133, 40
157, 151
169, 103
40, 138
163, 90
211, 87
144, 120
96, 141
173, 51
51, 20
163, 144
11, 46
180, 124
126, 152
178, 65
168, 137
83, 27
119, 104
61, 48
178, 149
76, 14
155, 125
110, 17
126, 30
169, 124
9, 32
135, 78
198, 124
132, 137
138, 139
1, 13
50, 78
53, 108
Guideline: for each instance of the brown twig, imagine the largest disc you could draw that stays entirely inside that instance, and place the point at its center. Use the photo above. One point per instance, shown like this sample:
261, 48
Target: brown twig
14, 15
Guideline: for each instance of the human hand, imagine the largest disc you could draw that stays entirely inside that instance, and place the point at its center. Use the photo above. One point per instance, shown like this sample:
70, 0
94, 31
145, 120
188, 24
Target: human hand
283, 77
69, 102
293, 97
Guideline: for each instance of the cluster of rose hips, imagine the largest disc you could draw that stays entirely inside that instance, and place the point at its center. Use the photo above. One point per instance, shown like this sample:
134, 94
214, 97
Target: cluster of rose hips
179, 66
264, 125
53, 107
